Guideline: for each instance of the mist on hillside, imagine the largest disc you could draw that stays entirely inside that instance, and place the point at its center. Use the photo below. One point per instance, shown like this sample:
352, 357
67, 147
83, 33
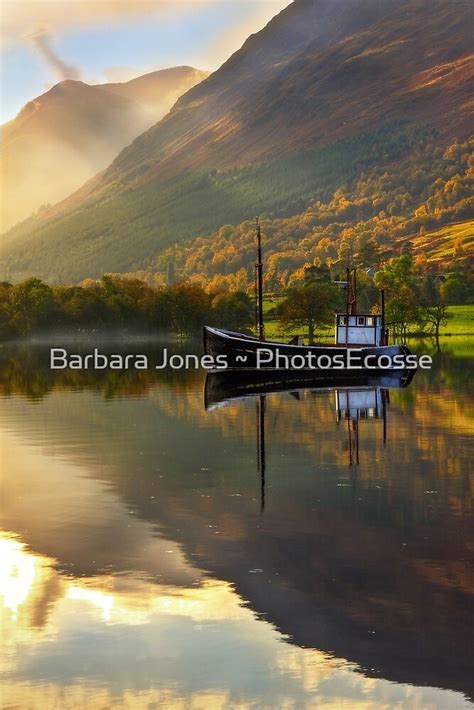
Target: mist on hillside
64, 137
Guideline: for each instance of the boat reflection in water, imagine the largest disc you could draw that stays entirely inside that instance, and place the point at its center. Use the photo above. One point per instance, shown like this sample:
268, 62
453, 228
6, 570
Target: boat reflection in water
360, 398
354, 405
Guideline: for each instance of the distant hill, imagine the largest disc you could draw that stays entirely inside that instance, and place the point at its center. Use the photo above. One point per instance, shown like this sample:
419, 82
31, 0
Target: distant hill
64, 137
327, 92
158, 90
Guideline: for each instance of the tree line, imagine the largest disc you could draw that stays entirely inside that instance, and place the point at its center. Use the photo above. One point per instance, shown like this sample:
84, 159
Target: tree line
113, 302
416, 300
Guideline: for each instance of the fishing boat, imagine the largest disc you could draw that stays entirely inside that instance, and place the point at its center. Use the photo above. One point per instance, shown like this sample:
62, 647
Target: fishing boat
360, 339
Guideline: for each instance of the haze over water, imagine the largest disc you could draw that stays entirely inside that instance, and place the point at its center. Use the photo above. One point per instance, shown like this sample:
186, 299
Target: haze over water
158, 553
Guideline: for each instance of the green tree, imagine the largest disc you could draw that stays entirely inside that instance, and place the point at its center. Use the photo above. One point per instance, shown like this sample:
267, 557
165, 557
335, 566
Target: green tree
233, 310
399, 270
191, 307
403, 310
367, 251
368, 295
310, 306
79, 305
316, 273
398, 279
432, 305
161, 310
455, 290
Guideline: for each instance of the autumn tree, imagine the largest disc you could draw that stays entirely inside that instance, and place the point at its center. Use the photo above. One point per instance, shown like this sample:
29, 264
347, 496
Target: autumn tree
5, 313
346, 248
32, 305
190, 307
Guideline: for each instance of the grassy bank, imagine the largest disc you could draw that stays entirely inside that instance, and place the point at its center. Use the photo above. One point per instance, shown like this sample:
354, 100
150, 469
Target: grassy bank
460, 323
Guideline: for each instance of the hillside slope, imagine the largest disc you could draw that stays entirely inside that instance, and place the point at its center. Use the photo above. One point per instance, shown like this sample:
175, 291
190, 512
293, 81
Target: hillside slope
326, 90
64, 137
425, 205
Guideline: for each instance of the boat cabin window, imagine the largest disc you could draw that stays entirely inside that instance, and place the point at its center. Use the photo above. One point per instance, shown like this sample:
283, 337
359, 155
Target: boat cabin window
355, 320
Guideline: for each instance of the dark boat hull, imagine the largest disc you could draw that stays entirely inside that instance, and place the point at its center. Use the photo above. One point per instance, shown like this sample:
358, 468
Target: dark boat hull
240, 351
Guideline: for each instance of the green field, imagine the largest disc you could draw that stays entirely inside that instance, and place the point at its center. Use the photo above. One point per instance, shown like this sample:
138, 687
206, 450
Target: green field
460, 322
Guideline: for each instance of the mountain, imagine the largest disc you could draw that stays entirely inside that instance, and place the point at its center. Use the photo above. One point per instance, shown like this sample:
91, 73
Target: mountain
328, 90
64, 137
158, 90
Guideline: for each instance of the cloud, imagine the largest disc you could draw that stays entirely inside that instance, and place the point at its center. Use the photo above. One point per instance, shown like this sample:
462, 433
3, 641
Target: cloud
40, 21
42, 40
21, 17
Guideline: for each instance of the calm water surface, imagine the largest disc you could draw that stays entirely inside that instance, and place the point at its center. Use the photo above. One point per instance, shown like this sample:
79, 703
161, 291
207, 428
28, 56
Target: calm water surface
160, 553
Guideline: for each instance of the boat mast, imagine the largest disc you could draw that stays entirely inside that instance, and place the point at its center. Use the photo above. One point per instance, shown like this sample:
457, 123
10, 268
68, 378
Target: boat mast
259, 275
352, 291
261, 454
347, 303
384, 339
351, 297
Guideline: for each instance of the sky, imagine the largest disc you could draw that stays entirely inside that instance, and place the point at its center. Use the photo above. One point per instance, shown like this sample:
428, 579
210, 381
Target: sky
44, 41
